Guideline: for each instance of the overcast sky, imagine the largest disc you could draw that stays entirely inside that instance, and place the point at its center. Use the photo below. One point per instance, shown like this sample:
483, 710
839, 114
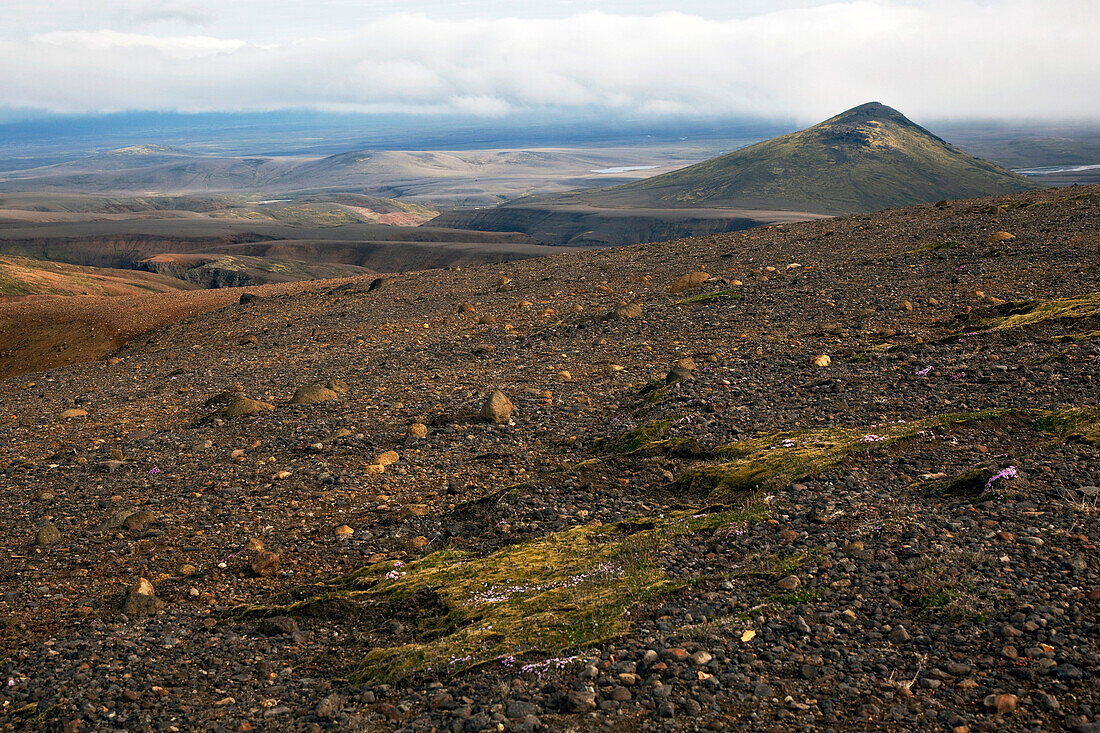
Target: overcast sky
801, 59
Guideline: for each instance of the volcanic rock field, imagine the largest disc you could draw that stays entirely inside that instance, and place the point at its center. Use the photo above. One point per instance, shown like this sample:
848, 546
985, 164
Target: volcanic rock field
832, 475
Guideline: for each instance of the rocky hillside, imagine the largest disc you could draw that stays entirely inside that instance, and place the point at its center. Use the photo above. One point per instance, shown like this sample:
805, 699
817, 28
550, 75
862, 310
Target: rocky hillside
833, 475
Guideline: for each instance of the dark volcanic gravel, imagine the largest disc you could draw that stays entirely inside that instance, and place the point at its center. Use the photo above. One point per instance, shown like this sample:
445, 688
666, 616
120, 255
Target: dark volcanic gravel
859, 595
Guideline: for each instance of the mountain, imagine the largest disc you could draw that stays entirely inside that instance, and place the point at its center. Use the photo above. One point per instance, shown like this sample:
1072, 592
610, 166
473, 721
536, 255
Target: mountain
869, 158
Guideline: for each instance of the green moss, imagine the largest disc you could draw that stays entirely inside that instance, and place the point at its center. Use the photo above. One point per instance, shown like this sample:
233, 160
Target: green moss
776, 460
713, 297
800, 596
12, 286
780, 566
1079, 424
635, 439
1021, 314
1078, 337
561, 592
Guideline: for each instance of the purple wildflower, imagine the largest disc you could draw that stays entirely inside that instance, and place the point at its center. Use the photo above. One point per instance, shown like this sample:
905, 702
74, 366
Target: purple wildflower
1009, 472
922, 372
872, 438
557, 662
153, 471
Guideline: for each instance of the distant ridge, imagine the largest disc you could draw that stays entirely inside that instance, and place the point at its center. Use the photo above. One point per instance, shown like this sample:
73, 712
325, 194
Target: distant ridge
868, 158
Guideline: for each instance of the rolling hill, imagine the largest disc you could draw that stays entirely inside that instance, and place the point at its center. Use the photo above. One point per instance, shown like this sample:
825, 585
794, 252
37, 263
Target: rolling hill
869, 158
21, 276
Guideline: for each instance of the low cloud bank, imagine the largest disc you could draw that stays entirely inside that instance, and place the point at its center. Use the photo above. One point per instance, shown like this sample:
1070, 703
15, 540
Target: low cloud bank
1011, 59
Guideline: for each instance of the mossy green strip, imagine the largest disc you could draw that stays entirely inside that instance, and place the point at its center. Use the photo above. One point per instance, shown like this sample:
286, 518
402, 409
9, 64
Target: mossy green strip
713, 297
1021, 314
773, 461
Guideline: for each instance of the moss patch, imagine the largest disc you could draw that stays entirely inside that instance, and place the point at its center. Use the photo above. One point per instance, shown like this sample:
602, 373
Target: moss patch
713, 297
1021, 314
772, 461
1079, 424
562, 592
633, 440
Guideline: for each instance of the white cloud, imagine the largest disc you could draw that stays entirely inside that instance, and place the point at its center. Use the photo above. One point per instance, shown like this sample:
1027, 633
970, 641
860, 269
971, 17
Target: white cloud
170, 47
929, 58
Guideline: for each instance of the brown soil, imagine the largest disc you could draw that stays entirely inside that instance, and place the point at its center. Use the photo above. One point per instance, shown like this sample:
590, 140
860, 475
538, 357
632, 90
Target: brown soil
40, 332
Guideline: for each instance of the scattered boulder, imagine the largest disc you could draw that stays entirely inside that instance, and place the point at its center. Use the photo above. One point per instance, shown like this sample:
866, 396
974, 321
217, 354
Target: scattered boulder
789, 583
388, 458
139, 520
73, 413
265, 563
241, 406
343, 531
497, 408
48, 535
417, 430
899, 635
821, 361
577, 702
278, 626
415, 510
688, 282
142, 600
311, 394
1001, 704
247, 298
1002, 237
677, 374
625, 311
377, 283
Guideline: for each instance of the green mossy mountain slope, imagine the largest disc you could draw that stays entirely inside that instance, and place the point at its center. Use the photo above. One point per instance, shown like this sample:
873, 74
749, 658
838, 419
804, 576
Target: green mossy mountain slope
869, 158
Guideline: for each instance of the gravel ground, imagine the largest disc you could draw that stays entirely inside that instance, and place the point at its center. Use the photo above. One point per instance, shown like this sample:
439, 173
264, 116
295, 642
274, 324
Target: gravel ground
883, 567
